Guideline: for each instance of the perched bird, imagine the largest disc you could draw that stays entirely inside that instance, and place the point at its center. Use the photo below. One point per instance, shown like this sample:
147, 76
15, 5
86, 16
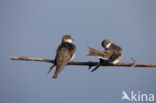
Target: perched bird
65, 53
114, 51
111, 54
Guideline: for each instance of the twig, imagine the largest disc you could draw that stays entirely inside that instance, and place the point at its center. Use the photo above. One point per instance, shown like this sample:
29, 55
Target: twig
134, 62
123, 64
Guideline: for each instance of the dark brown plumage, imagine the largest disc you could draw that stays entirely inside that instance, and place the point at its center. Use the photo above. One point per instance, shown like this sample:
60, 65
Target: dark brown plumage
115, 51
111, 54
65, 53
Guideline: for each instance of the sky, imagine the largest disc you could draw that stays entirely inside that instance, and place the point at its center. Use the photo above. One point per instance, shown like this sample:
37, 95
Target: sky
34, 28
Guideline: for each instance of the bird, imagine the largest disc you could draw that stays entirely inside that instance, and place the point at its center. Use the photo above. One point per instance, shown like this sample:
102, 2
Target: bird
114, 51
125, 96
111, 54
65, 53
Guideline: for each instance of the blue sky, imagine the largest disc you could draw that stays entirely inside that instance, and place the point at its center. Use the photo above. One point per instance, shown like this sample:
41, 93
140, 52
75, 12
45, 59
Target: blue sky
34, 28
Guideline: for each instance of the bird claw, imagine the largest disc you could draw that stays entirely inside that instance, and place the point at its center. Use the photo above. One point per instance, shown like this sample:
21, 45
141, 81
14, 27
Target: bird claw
97, 66
90, 66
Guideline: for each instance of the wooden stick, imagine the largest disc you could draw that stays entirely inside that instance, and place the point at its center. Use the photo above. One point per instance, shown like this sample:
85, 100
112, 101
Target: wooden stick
122, 64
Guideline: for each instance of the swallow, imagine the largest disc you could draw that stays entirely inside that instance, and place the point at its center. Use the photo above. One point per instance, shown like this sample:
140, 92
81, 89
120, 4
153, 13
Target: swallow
111, 54
65, 53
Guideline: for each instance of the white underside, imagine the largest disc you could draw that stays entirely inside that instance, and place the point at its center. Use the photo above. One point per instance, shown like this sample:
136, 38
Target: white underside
100, 57
114, 62
108, 45
68, 40
72, 57
117, 60
103, 58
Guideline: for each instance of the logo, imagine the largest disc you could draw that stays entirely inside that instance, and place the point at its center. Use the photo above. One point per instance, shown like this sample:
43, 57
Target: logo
137, 96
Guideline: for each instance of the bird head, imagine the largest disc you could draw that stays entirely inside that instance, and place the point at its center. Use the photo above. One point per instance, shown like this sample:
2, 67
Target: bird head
67, 38
106, 43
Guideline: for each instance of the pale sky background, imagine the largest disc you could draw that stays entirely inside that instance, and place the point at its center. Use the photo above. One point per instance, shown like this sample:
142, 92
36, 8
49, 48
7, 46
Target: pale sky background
34, 28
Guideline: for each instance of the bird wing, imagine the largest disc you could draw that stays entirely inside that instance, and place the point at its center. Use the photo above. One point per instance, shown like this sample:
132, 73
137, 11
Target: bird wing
100, 54
117, 53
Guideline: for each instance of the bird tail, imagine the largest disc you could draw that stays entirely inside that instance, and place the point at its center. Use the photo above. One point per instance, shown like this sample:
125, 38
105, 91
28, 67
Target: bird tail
59, 69
97, 53
54, 76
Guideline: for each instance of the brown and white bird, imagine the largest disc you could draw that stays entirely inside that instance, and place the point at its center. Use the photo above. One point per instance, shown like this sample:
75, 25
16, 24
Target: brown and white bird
114, 51
111, 54
65, 53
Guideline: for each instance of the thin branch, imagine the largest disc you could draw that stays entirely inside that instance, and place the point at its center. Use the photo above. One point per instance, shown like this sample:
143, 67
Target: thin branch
123, 64
134, 62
